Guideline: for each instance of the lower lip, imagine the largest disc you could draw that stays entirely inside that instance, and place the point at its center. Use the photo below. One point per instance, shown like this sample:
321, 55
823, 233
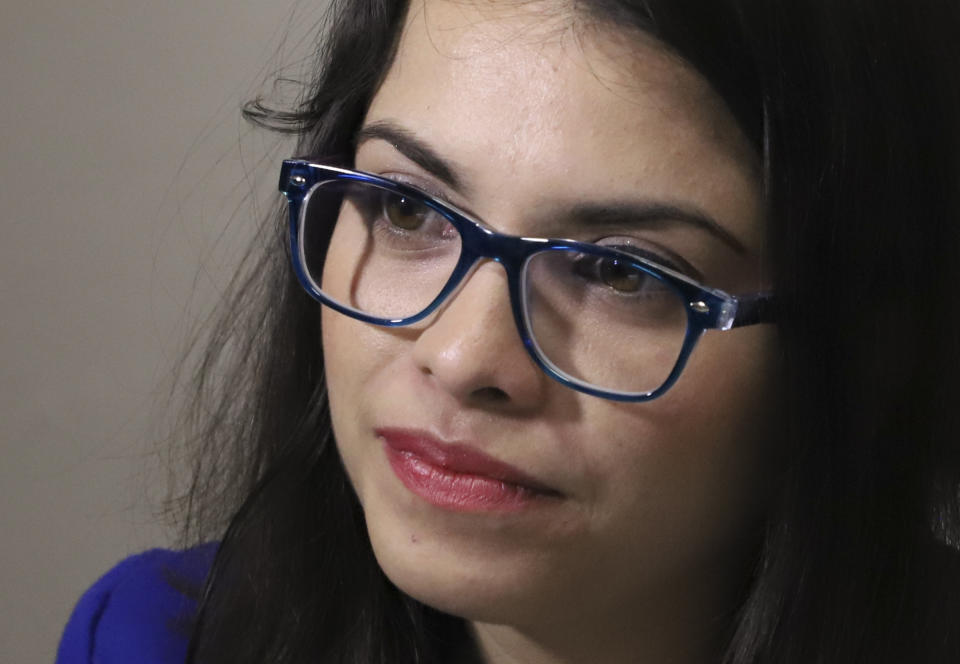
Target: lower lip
458, 492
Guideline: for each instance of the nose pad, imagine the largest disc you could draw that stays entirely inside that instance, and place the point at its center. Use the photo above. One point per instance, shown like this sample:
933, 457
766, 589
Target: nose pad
471, 347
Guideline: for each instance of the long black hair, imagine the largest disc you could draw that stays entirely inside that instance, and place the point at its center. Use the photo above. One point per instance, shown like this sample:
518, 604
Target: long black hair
854, 107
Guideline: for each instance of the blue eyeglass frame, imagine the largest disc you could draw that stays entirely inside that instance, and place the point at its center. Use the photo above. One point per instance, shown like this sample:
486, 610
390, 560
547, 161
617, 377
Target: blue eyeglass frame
707, 308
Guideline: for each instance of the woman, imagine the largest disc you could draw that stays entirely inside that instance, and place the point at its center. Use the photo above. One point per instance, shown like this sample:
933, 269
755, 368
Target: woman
485, 449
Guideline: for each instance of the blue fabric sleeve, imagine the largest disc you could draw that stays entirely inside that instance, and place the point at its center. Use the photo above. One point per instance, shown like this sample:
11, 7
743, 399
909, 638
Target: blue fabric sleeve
138, 611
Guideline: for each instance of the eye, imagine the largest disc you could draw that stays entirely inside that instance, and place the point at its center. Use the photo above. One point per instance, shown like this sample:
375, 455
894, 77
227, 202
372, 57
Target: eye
621, 275
403, 213
655, 253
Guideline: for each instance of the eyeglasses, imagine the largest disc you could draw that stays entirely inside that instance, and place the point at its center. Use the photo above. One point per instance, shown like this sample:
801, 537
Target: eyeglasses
605, 320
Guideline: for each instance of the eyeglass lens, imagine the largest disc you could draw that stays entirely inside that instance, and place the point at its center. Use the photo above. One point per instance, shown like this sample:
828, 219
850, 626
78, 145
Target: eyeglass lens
604, 322
375, 251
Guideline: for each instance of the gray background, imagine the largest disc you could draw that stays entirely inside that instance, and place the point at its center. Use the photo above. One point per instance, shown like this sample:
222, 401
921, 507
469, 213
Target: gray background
128, 185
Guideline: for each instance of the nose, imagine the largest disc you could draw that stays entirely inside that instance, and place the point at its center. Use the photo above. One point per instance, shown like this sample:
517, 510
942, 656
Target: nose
472, 350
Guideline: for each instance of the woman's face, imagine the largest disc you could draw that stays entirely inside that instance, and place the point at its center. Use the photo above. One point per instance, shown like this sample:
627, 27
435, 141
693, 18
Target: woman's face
628, 509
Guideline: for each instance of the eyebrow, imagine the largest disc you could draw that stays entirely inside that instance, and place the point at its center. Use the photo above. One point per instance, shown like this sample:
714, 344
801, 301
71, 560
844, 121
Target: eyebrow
650, 213
626, 213
414, 149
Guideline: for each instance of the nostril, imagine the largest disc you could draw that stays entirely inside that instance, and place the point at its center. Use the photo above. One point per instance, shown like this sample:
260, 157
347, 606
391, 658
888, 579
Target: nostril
490, 395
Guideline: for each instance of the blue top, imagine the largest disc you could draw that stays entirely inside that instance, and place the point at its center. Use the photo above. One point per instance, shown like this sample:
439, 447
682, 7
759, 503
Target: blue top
138, 611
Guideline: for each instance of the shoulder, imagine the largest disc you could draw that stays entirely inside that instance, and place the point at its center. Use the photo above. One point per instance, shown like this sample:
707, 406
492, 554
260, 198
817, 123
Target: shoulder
139, 611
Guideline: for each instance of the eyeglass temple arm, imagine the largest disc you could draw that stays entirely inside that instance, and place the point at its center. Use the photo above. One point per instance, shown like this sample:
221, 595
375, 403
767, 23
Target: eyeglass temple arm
753, 309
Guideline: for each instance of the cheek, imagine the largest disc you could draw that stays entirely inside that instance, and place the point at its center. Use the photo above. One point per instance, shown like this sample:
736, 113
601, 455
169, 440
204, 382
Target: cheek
347, 369
693, 465
358, 360
730, 385
726, 391
354, 353
338, 360
725, 414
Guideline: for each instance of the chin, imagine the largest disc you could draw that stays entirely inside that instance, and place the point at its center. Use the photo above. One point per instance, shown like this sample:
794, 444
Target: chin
473, 580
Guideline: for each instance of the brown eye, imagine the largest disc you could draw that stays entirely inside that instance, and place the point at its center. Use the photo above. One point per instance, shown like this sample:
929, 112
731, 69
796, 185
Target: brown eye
404, 213
622, 276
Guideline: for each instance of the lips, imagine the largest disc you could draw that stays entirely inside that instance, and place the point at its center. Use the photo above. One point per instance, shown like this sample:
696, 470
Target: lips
457, 476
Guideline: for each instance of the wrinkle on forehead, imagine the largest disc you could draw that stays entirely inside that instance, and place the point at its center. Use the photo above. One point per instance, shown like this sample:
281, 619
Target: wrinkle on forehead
493, 24
621, 57
628, 62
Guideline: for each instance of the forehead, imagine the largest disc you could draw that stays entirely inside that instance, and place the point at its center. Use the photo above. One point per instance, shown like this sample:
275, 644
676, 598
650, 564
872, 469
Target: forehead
533, 93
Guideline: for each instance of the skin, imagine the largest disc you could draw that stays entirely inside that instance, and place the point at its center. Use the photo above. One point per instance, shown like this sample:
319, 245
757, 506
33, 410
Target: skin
642, 555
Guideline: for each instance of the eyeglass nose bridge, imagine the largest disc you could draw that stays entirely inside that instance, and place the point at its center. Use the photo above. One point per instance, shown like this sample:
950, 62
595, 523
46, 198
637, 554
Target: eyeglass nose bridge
481, 241
481, 244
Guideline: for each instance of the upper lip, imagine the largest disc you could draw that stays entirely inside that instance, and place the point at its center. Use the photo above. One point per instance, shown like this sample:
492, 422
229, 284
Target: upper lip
458, 457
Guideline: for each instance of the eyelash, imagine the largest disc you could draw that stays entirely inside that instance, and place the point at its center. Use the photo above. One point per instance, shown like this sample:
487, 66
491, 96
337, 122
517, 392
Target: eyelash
652, 251
658, 253
415, 182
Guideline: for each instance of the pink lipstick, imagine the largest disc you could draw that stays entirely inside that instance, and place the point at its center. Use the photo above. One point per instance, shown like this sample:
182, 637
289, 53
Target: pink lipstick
456, 476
